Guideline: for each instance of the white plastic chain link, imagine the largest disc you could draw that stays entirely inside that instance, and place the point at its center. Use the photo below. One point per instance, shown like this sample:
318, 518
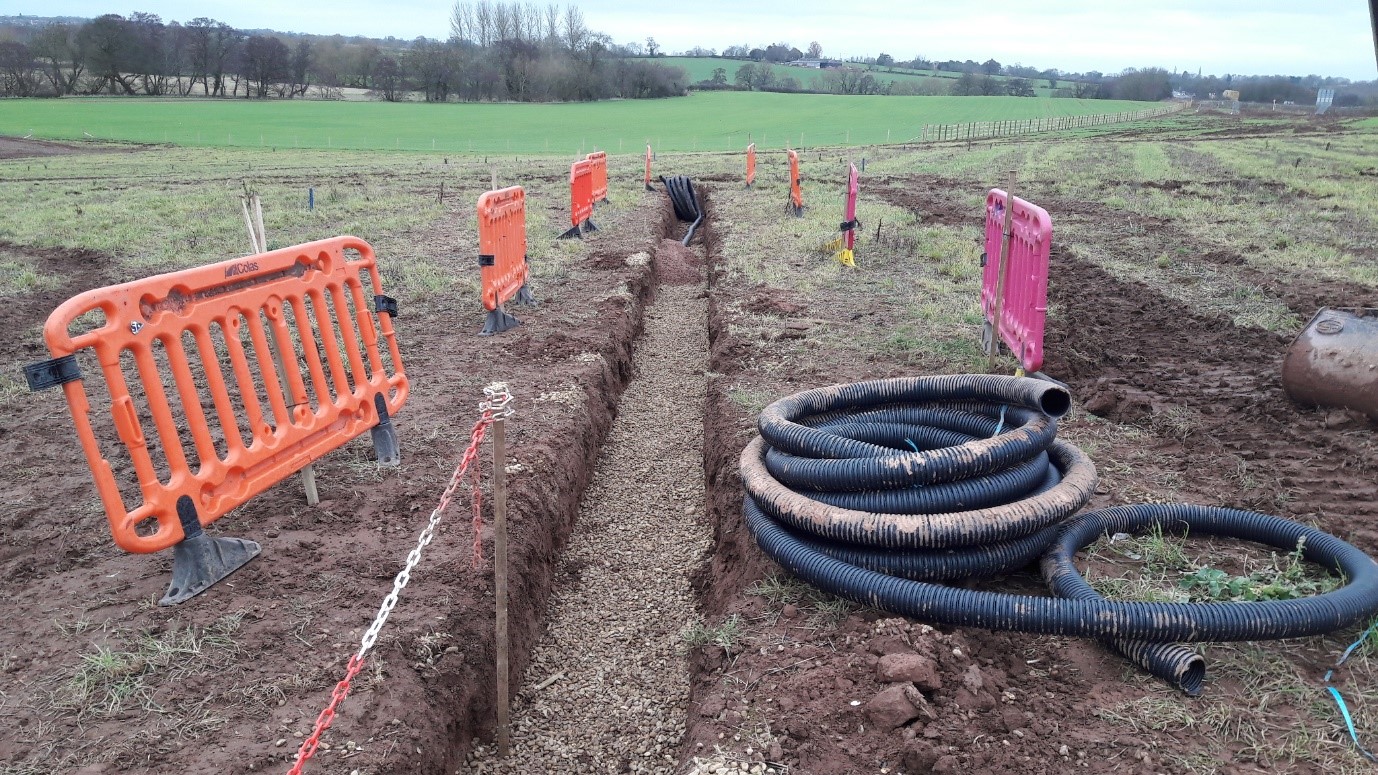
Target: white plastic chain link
398, 584
498, 401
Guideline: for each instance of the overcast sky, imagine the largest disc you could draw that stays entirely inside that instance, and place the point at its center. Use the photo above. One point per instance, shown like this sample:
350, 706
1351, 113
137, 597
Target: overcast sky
1298, 37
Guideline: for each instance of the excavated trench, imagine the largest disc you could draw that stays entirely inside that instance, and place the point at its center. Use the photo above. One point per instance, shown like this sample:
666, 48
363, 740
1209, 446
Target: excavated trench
542, 518
607, 687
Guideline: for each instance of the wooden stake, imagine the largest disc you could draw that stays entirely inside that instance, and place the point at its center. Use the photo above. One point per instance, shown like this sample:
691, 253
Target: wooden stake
258, 221
500, 578
1002, 268
258, 240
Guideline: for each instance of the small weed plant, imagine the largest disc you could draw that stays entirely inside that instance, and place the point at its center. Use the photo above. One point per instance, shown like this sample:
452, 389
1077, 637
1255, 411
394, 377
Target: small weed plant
1283, 580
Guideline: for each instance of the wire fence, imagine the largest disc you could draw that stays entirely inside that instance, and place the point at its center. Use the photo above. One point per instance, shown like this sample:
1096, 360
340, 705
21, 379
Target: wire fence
973, 130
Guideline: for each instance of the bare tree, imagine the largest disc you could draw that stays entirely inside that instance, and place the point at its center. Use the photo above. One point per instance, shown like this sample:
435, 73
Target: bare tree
576, 34
300, 69
111, 49
483, 23
147, 62
19, 75
815, 50
552, 21
267, 61
56, 48
462, 22
387, 79
502, 22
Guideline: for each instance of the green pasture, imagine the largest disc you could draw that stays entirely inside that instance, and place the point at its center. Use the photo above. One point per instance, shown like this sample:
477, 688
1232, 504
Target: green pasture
701, 69
714, 121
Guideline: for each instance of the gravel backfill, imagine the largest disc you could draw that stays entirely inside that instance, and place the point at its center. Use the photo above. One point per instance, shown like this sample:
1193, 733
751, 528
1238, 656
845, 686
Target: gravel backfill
608, 686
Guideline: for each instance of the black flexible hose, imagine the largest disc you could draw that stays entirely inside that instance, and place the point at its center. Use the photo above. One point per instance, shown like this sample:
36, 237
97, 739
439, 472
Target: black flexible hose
685, 201
988, 515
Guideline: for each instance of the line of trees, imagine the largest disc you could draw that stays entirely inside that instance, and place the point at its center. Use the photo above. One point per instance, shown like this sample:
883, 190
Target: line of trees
496, 51
865, 75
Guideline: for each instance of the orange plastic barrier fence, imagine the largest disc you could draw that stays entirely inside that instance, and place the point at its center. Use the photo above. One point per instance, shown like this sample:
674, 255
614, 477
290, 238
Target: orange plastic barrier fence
750, 165
291, 325
796, 195
502, 254
599, 159
649, 157
580, 194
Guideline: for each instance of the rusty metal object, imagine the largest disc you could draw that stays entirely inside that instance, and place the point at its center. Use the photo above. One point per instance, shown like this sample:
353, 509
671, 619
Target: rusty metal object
1334, 361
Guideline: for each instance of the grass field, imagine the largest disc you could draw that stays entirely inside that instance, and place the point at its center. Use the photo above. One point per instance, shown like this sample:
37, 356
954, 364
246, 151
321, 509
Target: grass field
701, 69
701, 122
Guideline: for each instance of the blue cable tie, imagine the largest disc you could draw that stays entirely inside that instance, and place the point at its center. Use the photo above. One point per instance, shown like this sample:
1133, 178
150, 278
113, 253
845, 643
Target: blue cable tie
1001, 425
1340, 700
1349, 723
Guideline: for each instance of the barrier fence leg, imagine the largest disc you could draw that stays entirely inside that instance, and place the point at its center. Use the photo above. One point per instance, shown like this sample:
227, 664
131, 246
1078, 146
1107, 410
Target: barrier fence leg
199, 561
497, 321
385, 446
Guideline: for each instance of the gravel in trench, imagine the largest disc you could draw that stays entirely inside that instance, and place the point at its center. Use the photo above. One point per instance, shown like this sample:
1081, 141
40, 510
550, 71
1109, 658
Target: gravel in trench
620, 690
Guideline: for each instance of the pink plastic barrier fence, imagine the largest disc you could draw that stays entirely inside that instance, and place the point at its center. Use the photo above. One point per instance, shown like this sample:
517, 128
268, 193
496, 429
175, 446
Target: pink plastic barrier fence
850, 226
1025, 306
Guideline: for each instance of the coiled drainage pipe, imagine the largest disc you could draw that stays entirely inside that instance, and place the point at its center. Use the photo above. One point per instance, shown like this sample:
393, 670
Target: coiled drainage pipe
874, 490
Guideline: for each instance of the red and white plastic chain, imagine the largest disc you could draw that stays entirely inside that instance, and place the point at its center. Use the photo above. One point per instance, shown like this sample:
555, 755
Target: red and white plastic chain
488, 408
498, 406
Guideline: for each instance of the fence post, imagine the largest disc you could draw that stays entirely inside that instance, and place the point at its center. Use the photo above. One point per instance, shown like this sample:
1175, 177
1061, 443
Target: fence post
500, 578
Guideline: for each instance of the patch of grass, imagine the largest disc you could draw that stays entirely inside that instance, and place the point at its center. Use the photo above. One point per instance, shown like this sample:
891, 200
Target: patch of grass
727, 635
20, 277
1149, 714
751, 400
113, 679
780, 589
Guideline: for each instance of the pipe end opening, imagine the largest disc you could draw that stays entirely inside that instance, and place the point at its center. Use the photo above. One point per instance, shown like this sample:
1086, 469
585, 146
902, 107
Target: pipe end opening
1193, 677
1055, 402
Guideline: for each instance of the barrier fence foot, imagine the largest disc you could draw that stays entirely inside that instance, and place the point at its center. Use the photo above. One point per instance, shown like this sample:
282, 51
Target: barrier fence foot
576, 231
199, 561
524, 296
498, 321
588, 225
385, 446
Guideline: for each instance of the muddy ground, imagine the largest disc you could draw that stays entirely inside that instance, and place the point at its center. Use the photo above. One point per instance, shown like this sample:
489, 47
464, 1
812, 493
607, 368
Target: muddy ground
97, 678
1207, 422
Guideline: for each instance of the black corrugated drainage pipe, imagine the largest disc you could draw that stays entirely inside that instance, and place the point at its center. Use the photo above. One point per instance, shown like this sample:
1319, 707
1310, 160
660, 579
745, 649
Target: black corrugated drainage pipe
874, 490
686, 202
